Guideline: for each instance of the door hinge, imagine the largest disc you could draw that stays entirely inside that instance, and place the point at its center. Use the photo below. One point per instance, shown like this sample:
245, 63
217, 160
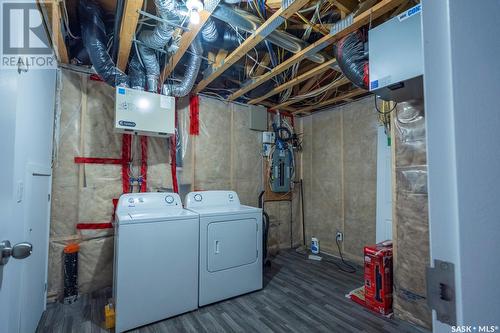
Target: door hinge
48, 196
441, 291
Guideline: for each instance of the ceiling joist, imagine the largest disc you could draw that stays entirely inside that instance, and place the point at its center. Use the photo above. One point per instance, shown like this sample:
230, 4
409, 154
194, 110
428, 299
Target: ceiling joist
52, 11
293, 100
313, 72
357, 22
263, 31
353, 93
127, 31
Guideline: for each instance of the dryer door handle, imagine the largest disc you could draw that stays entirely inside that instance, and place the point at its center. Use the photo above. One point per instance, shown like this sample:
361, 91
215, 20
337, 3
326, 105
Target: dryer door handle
217, 248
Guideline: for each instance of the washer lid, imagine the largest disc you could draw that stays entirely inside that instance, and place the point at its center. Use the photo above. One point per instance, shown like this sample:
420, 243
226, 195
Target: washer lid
150, 207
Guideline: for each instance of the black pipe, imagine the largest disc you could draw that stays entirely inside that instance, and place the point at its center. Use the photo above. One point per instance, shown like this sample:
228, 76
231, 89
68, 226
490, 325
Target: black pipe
120, 4
303, 215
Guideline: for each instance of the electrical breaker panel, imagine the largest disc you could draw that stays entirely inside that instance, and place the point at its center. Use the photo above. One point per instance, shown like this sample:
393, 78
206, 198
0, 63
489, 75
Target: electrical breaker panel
281, 171
144, 113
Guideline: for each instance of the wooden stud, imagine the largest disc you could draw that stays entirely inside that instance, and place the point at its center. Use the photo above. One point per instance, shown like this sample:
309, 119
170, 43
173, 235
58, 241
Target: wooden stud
352, 93
186, 39
365, 17
251, 42
315, 71
127, 31
346, 6
53, 14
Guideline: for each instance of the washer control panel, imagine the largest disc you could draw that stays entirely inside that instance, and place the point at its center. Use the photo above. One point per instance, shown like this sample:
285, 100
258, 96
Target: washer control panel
153, 200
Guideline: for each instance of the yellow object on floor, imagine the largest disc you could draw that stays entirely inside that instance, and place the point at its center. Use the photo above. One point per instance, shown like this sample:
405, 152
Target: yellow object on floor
109, 316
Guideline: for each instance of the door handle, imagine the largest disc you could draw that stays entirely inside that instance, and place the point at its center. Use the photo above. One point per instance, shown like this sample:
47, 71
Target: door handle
18, 251
216, 247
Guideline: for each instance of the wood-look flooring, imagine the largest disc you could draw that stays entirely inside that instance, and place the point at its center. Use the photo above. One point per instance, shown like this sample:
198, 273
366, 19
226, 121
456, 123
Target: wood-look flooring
299, 295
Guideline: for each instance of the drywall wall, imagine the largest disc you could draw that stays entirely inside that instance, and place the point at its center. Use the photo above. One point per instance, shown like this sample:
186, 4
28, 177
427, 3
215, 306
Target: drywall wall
339, 174
225, 155
410, 224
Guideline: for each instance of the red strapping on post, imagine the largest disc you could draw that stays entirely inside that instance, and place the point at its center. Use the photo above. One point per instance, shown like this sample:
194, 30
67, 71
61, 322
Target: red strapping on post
97, 160
194, 115
144, 162
126, 141
94, 226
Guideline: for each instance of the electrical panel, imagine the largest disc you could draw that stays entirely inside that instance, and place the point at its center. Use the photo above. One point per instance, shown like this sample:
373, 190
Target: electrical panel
396, 63
281, 171
144, 113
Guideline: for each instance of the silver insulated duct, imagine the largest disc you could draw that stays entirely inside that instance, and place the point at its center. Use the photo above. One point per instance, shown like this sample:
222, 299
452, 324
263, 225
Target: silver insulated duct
249, 23
186, 83
209, 32
155, 39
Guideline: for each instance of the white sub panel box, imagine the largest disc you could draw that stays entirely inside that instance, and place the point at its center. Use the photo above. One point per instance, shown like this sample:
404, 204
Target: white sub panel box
156, 259
230, 245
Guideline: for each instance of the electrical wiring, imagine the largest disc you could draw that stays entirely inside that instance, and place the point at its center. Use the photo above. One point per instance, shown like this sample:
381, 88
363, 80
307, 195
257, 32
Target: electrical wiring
66, 20
378, 110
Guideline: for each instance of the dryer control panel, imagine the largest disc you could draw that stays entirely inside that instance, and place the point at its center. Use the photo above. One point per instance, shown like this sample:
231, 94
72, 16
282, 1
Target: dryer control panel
206, 199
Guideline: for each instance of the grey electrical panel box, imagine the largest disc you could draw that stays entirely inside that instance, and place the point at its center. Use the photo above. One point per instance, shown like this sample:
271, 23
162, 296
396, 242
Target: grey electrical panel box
396, 57
281, 171
258, 118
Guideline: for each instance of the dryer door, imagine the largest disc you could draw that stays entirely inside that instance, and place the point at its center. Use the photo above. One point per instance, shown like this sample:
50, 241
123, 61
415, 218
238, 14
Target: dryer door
231, 244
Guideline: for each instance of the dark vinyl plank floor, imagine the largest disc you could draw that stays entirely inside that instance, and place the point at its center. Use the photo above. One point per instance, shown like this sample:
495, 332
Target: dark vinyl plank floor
299, 295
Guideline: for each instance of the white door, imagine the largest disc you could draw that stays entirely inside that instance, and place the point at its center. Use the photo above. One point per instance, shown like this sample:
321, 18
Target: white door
26, 120
461, 72
384, 188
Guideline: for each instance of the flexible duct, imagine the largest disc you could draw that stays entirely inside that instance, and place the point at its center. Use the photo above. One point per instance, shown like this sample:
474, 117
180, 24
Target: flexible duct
156, 39
94, 39
249, 23
136, 74
186, 83
209, 32
352, 59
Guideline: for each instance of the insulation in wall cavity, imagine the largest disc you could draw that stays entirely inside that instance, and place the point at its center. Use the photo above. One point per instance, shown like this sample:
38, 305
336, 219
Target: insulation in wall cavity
339, 172
411, 224
225, 156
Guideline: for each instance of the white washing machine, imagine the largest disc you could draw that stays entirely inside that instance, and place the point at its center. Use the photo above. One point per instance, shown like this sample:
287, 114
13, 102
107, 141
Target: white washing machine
156, 259
230, 245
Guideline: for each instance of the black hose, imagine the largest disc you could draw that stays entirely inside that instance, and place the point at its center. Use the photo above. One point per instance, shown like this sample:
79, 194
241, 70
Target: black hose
265, 235
303, 215
95, 41
120, 4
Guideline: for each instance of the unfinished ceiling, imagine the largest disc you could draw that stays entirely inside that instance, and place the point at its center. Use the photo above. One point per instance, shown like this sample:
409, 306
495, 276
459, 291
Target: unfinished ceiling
279, 54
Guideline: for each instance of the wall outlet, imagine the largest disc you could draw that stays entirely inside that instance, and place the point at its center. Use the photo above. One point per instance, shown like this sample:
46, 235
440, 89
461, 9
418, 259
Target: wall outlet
339, 236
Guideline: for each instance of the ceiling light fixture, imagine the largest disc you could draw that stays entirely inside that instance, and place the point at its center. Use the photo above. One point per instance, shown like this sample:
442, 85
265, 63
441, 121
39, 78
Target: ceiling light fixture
194, 7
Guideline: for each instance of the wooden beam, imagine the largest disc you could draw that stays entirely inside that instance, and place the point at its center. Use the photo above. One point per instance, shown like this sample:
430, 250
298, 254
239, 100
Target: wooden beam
127, 31
350, 94
263, 31
346, 6
315, 71
379, 9
186, 39
286, 108
53, 14
292, 100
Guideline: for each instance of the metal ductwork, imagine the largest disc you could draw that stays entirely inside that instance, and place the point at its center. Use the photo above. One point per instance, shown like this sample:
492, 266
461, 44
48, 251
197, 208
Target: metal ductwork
249, 23
209, 31
155, 39
95, 40
185, 85
136, 74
